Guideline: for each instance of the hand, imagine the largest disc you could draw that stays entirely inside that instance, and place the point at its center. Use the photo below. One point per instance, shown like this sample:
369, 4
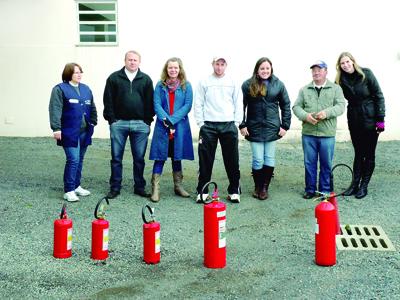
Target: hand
380, 126
282, 131
310, 119
320, 115
168, 124
244, 131
57, 135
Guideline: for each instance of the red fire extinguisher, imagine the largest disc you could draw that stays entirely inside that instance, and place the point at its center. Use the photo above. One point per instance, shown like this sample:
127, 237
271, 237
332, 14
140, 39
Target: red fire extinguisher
151, 237
100, 228
325, 234
62, 235
214, 230
333, 200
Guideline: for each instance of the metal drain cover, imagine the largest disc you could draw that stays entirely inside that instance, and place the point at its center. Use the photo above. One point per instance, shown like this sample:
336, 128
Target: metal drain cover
363, 237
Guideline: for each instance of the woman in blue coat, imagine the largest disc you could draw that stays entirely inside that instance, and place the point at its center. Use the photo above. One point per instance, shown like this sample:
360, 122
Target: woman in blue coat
172, 137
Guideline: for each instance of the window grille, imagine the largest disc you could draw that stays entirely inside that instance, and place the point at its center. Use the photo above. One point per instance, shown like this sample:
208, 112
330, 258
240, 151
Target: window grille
97, 21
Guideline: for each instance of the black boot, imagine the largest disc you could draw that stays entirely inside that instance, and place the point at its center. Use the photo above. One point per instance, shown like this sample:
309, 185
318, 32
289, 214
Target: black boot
266, 180
357, 170
368, 169
256, 178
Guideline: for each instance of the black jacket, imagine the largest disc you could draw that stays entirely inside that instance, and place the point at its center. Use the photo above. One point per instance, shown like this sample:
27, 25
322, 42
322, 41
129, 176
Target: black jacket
126, 100
366, 104
262, 118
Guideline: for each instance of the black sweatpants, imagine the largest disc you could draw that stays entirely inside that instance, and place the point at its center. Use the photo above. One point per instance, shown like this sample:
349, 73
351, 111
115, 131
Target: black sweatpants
227, 134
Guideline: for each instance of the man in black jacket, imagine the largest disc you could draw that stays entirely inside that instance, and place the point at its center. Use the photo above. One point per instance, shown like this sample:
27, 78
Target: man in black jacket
128, 108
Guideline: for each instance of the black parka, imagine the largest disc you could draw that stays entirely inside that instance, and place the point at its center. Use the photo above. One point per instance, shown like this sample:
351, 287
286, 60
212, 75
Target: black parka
261, 114
366, 104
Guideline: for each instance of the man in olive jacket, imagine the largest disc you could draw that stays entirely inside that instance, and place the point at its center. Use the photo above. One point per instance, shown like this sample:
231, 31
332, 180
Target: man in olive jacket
318, 105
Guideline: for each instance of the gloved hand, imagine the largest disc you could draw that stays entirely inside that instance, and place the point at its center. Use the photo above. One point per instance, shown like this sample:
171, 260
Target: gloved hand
380, 126
167, 123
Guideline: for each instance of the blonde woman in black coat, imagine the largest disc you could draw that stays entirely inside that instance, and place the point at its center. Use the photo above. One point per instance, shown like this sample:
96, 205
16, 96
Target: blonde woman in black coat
365, 116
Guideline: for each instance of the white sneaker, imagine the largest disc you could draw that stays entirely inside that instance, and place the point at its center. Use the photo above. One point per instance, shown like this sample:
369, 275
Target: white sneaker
80, 191
198, 199
235, 198
71, 196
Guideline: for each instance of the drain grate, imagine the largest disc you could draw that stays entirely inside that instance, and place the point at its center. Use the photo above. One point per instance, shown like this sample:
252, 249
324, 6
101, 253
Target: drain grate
363, 237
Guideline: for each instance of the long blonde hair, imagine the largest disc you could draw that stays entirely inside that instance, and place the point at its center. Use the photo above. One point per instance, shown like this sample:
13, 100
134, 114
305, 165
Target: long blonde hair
339, 71
181, 75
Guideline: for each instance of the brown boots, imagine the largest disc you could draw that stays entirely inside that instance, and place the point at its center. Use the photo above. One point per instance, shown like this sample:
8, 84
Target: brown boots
155, 187
262, 179
178, 188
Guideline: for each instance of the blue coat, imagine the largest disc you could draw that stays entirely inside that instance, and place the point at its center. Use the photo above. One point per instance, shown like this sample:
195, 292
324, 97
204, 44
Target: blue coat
183, 144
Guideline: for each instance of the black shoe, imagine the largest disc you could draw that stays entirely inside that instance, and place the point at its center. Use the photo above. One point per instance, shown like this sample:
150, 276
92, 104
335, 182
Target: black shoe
112, 194
142, 193
362, 193
308, 195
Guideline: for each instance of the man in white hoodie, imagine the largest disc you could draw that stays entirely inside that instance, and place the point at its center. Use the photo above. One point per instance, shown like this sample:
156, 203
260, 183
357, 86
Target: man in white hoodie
218, 110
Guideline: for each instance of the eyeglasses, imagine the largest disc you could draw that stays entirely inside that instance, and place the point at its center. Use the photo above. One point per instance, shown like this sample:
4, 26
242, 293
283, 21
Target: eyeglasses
78, 72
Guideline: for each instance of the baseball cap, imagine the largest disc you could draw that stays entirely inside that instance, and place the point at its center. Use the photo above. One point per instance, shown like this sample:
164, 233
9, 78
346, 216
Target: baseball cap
216, 58
319, 63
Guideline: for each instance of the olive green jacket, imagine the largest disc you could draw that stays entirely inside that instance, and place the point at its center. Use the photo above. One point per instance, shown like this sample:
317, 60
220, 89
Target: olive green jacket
331, 100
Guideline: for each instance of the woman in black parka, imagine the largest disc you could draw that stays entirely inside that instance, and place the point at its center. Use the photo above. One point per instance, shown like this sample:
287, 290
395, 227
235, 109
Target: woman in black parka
266, 119
365, 116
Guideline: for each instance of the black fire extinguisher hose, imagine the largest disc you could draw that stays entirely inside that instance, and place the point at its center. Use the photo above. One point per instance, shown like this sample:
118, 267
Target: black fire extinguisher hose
96, 210
63, 211
209, 199
341, 192
151, 210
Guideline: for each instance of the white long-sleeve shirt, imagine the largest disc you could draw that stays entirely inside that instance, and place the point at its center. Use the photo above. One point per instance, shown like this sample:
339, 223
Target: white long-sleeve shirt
218, 99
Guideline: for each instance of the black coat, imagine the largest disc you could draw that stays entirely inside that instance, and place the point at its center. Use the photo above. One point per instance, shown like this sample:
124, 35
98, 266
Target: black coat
126, 100
366, 104
261, 114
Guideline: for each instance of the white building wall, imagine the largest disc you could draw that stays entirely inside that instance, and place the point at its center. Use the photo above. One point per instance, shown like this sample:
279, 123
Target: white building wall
38, 37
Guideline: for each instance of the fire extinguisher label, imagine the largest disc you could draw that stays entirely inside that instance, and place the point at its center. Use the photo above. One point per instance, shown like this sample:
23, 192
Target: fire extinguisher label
105, 240
222, 230
158, 242
221, 214
316, 226
69, 239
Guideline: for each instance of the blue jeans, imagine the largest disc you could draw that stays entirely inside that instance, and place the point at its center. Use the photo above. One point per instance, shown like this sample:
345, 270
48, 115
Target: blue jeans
73, 164
263, 154
159, 166
138, 133
318, 148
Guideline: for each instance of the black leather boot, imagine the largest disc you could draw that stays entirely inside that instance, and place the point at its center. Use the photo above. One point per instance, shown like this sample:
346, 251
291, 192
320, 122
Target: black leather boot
357, 170
256, 178
368, 169
267, 172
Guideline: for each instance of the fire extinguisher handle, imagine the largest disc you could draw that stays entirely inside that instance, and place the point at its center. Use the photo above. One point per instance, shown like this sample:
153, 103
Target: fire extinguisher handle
215, 193
151, 210
96, 210
63, 213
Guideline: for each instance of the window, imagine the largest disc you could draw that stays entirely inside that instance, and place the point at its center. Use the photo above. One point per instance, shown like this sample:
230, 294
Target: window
97, 22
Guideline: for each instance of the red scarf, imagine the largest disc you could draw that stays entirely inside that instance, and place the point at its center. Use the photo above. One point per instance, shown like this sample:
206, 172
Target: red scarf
172, 84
